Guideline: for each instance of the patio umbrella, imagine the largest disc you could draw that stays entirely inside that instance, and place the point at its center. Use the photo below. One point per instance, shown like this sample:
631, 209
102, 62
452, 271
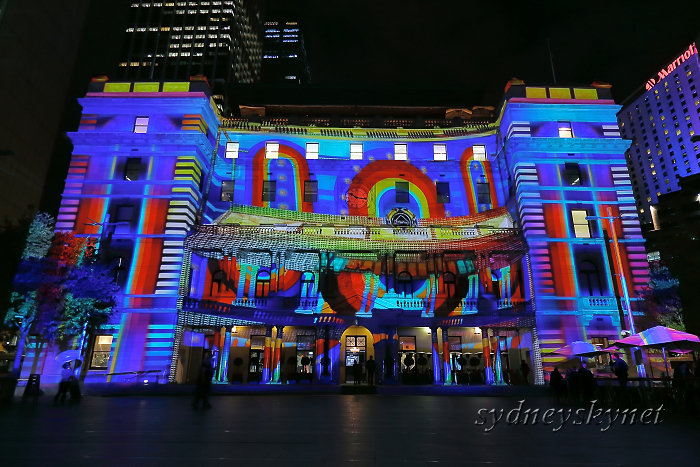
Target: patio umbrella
660, 337
578, 349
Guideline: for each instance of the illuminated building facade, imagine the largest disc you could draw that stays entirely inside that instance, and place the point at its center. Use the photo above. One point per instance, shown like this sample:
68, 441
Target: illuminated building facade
219, 39
661, 121
290, 251
284, 53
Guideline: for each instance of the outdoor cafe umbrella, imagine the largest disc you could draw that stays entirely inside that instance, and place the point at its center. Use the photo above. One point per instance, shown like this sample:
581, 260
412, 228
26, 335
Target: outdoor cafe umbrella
660, 337
578, 349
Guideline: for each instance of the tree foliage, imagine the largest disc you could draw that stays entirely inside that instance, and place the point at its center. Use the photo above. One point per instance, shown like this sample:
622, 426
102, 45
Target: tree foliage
661, 297
60, 290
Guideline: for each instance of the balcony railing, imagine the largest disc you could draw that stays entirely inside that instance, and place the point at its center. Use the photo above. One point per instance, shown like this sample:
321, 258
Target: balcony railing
597, 303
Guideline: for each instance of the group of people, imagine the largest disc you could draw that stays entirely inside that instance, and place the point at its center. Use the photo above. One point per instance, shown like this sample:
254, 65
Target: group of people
575, 384
370, 366
68, 385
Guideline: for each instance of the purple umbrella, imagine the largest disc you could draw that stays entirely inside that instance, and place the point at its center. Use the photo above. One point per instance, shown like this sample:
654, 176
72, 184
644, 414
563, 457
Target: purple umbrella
579, 349
660, 337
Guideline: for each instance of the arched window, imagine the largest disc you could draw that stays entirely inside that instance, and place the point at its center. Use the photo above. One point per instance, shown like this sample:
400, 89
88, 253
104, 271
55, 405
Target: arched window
449, 284
262, 284
589, 279
308, 280
405, 285
118, 267
217, 282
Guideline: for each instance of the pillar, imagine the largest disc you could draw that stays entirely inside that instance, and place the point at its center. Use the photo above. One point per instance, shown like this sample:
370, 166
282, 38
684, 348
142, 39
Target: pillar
497, 364
436, 356
486, 344
380, 344
276, 362
267, 356
391, 352
334, 354
447, 367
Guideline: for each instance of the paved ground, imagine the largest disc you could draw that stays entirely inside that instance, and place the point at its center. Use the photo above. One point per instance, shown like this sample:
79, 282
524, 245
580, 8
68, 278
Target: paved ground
312, 430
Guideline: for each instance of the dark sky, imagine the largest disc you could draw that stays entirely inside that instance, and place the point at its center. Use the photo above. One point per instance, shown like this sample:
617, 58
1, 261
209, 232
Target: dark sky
484, 44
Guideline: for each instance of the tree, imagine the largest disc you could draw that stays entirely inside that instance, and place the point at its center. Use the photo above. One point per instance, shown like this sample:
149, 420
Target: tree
90, 295
36, 298
661, 297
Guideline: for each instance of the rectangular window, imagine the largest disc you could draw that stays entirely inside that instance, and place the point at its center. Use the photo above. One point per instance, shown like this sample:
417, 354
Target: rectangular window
269, 190
407, 343
572, 173
356, 151
312, 150
581, 227
440, 152
565, 130
400, 152
141, 125
479, 153
272, 150
310, 191
402, 192
100, 352
124, 214
133, 169
227, 190
483, 193
232, 150
443, 192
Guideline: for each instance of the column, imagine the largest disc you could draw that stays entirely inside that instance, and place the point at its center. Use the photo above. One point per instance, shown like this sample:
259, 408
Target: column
446, 356
276, 362
320, 344
380, 344
391, 352
497, 364
267, 355
436, 356
486, 344
334, 354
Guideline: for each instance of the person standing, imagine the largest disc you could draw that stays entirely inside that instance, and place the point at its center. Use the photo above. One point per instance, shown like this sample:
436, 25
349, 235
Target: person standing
356, 371
525, 370
371, 366
64, 385
206, 372
620, 368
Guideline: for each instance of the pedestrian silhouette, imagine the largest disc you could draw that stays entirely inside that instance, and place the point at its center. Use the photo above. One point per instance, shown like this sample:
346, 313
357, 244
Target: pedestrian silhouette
64, 385
371, 367
206, 372
525, 370
356, 371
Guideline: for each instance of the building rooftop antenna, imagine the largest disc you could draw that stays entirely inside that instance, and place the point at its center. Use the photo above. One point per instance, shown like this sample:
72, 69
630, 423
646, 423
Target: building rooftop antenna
551, 62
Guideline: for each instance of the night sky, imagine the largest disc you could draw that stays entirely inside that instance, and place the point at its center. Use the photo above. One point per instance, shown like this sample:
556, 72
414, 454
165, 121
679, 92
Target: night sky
484, 44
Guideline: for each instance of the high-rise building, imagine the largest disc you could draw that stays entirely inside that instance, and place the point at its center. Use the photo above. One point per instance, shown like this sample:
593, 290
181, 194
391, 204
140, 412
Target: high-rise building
221, 40
284, 53
660, 121
297, 246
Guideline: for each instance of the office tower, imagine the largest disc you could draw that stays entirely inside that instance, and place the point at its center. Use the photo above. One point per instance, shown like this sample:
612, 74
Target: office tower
284, 53
661, 121
221, 40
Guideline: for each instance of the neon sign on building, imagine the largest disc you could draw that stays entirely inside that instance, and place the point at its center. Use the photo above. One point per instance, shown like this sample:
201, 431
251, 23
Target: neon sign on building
664, 72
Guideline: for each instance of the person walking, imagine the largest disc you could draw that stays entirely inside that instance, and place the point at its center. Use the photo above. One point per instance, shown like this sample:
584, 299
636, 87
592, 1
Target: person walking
525, 370
356, 371
206, 372
371, 367
64, 385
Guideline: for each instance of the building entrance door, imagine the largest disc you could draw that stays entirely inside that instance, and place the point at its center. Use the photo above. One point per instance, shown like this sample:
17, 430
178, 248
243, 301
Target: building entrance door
257, 359
355, 351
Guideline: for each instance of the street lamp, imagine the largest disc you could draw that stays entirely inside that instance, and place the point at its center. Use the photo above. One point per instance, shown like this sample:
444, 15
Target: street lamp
641, 371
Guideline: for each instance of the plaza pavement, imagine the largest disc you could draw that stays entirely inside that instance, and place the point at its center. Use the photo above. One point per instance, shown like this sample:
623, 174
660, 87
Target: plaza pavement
319, 428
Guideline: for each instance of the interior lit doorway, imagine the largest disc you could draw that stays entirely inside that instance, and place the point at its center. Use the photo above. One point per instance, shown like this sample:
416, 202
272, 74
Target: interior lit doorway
355, 352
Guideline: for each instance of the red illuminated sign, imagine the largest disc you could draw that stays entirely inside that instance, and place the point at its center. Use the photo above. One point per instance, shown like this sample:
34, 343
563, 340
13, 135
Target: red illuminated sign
672, 66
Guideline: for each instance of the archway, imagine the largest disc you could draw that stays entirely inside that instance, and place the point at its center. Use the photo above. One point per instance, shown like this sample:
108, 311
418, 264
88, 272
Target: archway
356, 343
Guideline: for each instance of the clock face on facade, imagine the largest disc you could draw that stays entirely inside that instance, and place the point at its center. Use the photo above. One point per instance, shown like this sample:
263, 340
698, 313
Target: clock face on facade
357, 197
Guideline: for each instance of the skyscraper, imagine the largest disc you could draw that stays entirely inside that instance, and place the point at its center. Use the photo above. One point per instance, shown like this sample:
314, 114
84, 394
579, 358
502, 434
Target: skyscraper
660, 121
284, 53
175, 40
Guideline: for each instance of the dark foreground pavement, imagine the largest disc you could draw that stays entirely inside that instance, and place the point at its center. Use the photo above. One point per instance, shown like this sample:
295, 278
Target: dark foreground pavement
312, 430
